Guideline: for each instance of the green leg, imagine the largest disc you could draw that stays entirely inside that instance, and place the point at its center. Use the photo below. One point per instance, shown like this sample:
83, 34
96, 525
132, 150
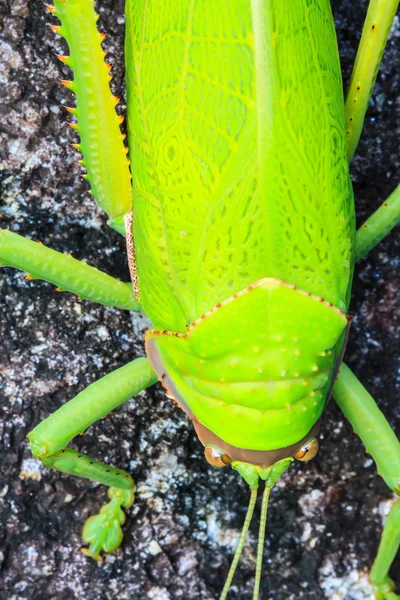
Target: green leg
49, 439
98, 125
378, 225
381, 442
67, 273
369, 55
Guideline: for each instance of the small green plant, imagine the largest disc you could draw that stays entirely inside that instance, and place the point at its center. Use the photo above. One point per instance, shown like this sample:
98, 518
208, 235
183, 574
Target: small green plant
240, 235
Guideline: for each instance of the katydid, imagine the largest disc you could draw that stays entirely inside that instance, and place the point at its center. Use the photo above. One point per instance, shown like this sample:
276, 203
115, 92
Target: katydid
242, 241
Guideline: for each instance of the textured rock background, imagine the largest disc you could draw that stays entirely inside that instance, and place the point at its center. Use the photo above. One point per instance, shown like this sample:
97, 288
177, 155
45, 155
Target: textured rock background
325, 517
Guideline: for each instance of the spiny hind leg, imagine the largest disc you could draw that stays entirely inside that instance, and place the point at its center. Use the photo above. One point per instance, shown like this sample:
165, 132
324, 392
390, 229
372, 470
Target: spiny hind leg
381, 442
98, 125
49, 439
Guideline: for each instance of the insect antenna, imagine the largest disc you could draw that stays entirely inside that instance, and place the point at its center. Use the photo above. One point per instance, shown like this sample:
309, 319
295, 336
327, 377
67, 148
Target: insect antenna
242, 539
261, 539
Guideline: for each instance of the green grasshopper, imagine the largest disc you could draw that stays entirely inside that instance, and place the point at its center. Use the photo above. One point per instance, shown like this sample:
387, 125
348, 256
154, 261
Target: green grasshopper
241, 244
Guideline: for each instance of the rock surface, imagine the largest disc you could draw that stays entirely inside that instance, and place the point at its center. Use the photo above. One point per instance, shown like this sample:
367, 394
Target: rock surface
325, 517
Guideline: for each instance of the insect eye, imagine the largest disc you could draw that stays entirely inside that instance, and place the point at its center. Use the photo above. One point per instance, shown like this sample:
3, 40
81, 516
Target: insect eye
308, 451
216, 457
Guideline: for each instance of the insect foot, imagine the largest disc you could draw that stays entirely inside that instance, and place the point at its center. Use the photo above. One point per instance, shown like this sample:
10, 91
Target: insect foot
103, 531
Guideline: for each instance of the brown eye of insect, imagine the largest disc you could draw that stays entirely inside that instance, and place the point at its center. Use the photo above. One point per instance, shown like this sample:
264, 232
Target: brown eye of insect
216, 458
308, 451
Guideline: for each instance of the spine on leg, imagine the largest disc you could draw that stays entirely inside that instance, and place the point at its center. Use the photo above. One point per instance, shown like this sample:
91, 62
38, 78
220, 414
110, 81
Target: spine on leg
67, 273
75, 463
98, 124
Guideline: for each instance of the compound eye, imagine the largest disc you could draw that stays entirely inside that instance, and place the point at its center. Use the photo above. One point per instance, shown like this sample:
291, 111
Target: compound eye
216, 457
308, 451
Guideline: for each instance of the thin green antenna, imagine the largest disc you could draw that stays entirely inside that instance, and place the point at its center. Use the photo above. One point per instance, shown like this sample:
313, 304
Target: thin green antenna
251, 474
261, 538
242, 539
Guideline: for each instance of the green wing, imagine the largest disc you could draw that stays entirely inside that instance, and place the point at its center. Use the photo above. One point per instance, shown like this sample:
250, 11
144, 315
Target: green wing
236, 133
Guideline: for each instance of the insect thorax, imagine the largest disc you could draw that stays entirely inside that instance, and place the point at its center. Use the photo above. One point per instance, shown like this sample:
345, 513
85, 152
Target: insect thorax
255, 369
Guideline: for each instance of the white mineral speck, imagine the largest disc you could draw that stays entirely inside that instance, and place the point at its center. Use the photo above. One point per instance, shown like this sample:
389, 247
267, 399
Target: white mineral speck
186, 563
307, 532
310, 502
31, 469
140, 323
154, 548
103, 333
158, 593
353, 586
385, 506
395, 31
11, 59
227, 537
77, 308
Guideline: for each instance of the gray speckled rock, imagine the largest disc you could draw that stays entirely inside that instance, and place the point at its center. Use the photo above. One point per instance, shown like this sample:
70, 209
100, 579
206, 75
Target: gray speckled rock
325, 517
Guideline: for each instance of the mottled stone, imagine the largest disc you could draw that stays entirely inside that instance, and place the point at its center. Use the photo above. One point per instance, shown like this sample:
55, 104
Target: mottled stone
325, 517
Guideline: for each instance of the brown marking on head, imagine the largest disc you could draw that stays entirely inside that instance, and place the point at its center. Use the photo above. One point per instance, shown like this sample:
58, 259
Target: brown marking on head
261, 458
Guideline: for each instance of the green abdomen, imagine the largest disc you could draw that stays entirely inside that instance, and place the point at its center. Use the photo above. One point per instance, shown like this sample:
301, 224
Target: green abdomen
236, 131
